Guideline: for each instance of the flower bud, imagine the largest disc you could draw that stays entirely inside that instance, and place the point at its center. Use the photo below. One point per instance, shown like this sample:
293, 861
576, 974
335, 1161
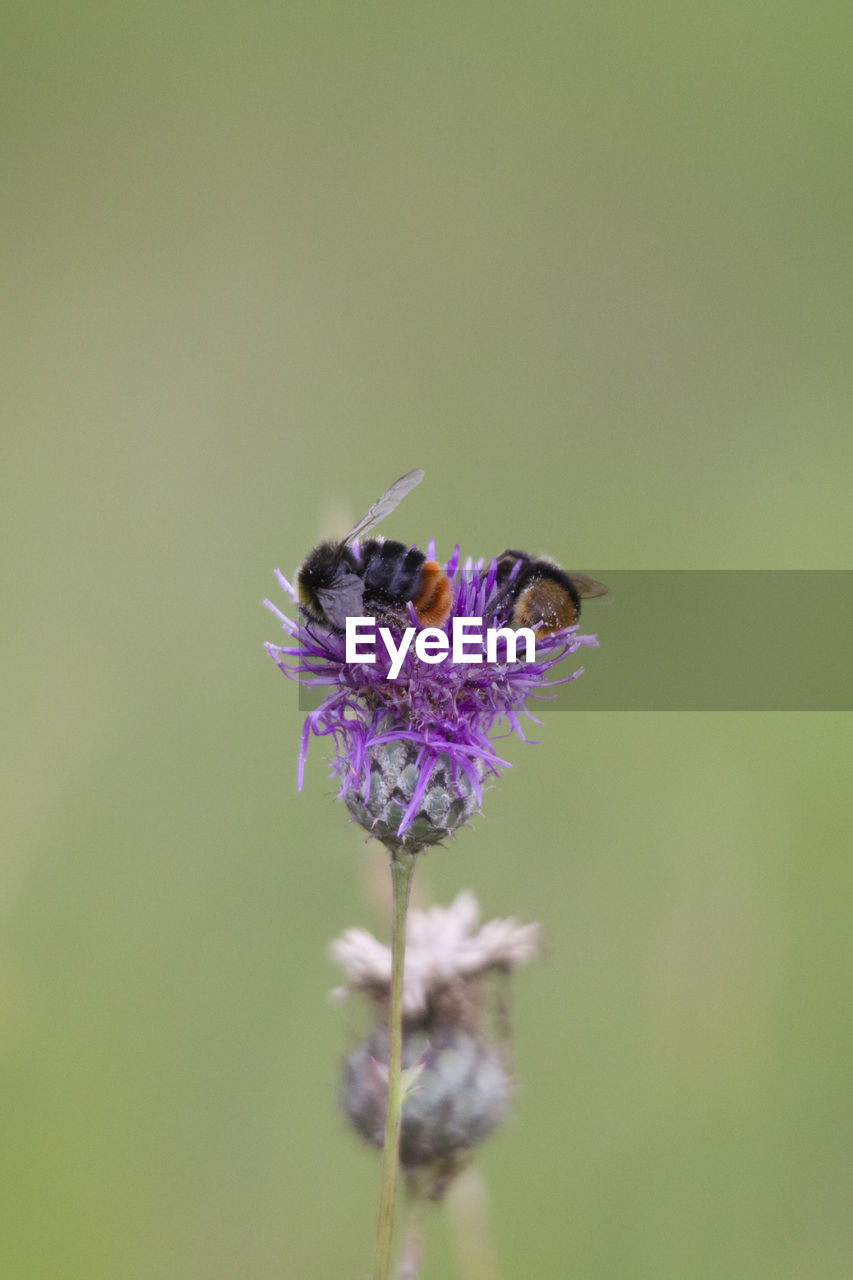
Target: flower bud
448, 797
461, 1095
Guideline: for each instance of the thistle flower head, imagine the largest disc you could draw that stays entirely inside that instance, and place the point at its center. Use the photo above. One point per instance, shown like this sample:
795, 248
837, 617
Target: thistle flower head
464, 1086
412, 753
444, 951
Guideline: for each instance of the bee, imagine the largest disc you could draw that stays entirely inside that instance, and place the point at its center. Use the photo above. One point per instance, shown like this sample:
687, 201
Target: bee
337, 582
541, 592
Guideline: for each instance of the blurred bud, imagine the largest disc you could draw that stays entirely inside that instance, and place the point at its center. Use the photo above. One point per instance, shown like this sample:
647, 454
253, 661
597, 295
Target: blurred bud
461, 1096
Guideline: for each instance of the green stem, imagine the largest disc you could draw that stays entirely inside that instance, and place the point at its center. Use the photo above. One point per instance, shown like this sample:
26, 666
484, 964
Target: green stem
402, 867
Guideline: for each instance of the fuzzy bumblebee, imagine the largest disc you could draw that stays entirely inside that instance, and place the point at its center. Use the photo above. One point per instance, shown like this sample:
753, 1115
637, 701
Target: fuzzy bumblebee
339, 580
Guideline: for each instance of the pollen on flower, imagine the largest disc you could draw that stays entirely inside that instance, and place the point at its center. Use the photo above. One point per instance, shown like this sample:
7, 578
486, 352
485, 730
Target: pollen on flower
412, 754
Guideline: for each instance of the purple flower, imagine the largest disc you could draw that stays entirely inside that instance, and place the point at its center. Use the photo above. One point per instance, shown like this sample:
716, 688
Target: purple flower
412, 753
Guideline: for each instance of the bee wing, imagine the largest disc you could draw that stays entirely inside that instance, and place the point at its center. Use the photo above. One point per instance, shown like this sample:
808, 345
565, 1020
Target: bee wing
383, 506
343, 600
587, 588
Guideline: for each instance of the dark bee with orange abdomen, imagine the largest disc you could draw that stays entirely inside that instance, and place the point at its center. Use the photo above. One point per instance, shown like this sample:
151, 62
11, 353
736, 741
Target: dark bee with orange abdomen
542, 593
378, 579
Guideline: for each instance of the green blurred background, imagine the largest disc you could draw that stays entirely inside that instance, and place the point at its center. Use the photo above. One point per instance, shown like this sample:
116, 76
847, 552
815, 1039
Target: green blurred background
591, 268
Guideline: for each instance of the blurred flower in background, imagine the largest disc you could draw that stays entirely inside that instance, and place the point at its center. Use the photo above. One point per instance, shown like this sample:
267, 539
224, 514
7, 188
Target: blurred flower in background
455, 1034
